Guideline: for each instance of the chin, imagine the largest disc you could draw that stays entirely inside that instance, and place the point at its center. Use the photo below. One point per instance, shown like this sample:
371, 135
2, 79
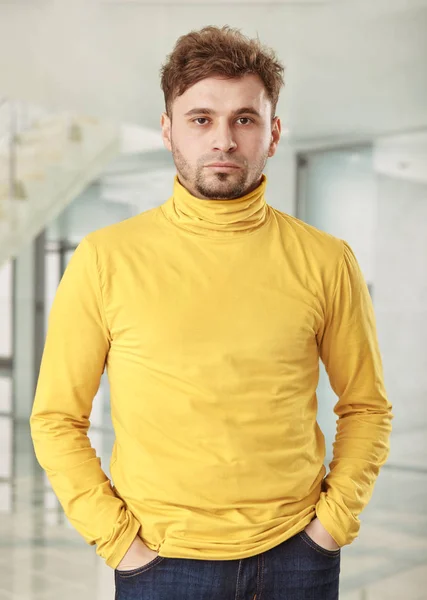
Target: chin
228, 188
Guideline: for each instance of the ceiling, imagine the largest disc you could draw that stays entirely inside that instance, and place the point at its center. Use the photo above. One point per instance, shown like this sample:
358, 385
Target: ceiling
355, 69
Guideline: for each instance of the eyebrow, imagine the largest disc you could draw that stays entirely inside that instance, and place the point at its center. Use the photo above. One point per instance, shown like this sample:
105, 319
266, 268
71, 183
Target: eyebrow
248, 110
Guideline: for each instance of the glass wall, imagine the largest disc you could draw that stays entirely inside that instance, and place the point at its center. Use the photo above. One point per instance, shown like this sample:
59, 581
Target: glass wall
375, 199
6, 384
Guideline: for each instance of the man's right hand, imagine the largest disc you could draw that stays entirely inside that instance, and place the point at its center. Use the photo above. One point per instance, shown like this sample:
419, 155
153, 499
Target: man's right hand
137, 556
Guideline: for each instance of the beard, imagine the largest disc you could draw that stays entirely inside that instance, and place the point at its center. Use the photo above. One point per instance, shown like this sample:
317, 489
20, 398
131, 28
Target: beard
218, 185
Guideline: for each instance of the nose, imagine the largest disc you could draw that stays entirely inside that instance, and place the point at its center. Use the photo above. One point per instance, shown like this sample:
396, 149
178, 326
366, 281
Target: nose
223, 138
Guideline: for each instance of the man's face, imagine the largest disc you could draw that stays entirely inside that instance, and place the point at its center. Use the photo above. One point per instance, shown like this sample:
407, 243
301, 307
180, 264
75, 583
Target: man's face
225, 121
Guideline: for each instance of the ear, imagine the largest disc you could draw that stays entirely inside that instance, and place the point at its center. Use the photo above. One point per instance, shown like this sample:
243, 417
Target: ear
166, 125
276, 130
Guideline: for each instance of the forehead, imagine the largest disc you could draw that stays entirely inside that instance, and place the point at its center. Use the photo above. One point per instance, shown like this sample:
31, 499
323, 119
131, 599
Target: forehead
224, 94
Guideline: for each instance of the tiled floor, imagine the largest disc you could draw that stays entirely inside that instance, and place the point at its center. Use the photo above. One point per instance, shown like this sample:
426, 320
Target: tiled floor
43, 558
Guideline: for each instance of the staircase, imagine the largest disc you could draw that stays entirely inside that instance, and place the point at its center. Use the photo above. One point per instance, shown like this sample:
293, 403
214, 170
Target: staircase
46, 160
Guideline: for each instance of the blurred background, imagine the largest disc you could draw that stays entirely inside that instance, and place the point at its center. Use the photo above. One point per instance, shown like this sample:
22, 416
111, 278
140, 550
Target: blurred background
80, 148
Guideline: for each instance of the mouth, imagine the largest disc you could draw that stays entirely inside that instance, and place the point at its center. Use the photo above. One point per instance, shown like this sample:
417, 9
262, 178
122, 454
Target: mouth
223, 166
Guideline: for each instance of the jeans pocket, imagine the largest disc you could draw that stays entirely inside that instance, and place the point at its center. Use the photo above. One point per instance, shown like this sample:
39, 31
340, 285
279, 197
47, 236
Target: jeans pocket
139, 570
315, 546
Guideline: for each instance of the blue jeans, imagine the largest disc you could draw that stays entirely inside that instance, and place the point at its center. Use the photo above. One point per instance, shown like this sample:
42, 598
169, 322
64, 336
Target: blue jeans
297, 569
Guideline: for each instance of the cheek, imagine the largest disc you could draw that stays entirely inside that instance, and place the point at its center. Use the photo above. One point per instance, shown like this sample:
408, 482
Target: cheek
188, 139
254, 146
189, 150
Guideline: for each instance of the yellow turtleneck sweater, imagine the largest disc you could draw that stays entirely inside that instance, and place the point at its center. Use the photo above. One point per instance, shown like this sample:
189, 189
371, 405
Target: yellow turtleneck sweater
210, 317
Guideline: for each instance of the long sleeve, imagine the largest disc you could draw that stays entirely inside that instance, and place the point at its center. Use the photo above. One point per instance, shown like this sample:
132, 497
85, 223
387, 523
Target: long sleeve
73, 361
349, 349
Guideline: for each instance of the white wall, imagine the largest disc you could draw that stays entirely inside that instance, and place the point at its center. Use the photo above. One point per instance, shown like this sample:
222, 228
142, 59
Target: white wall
281, 179
85, 214
352, 68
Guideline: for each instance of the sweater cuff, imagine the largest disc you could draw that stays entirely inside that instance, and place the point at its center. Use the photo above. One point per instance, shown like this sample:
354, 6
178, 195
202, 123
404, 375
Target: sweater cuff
123, 545
339, 523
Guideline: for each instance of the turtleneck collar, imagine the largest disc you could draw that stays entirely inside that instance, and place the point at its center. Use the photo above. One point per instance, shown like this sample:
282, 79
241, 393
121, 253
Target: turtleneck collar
217, 218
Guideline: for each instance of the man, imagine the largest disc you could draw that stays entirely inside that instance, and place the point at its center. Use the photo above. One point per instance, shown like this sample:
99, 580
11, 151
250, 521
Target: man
210, 313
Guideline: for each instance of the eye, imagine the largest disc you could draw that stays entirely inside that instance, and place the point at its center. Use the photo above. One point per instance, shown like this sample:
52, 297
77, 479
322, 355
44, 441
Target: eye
200, 119
245, 119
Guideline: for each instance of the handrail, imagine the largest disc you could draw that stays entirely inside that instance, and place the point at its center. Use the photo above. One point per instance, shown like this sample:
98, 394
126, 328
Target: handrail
15, 124
12, 153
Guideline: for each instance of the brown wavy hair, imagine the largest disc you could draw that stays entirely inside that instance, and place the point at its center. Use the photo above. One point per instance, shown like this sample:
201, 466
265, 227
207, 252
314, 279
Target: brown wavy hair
222, 51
